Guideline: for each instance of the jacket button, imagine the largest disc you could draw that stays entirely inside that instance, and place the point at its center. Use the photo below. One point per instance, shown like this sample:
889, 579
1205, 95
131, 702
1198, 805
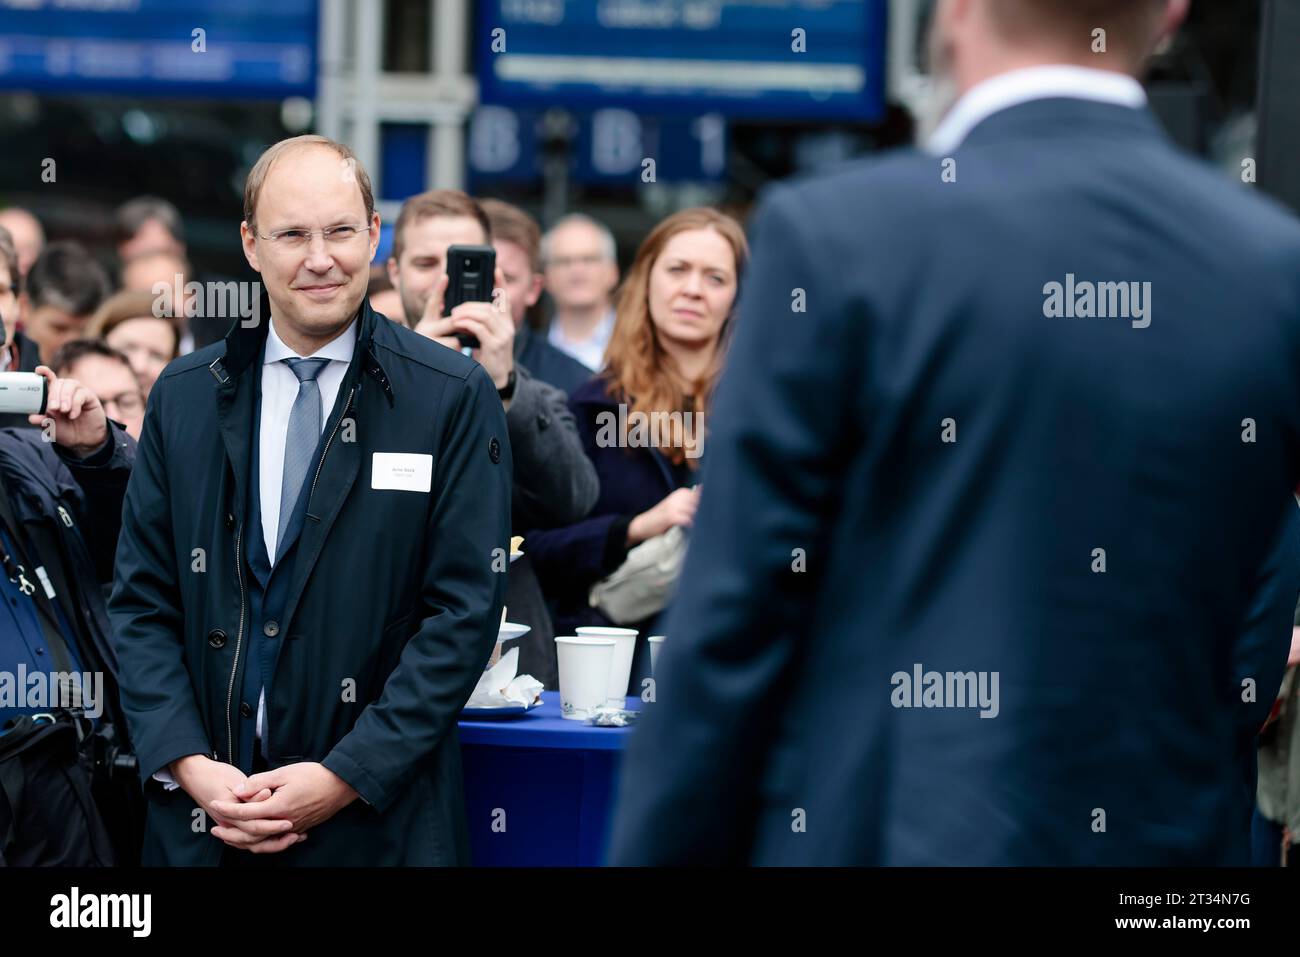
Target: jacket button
230, 520
245, 709
494, 450
271, 628
217, 638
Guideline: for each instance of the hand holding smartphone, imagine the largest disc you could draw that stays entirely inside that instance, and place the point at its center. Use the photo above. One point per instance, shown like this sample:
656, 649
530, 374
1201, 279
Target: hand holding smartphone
470, 270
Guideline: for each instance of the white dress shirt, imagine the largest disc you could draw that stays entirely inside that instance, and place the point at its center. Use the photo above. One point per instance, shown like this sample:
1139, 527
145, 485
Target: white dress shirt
1032, 83
590, 351
279, 390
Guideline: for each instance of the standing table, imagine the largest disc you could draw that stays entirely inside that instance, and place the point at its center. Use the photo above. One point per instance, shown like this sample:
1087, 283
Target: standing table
539, 789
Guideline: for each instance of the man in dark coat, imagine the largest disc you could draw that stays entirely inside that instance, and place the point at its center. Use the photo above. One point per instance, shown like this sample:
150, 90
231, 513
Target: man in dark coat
975, 578
313, 557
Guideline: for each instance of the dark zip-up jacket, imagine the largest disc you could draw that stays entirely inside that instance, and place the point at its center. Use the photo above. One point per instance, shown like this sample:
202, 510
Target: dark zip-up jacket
392, 607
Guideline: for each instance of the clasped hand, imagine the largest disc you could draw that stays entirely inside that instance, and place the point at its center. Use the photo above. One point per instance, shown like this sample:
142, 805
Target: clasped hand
267, 812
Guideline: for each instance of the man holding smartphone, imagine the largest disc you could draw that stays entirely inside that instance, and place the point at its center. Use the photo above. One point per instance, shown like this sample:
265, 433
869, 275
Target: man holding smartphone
428, 225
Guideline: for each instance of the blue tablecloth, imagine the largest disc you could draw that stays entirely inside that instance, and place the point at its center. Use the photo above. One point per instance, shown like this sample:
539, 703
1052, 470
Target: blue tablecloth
539, 789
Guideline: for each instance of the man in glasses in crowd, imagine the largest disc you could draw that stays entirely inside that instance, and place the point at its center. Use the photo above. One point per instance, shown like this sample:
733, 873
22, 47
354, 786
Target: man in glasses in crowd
311, 568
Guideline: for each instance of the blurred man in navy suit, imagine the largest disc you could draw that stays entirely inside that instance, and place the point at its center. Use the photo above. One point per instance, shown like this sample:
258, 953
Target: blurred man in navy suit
989, 566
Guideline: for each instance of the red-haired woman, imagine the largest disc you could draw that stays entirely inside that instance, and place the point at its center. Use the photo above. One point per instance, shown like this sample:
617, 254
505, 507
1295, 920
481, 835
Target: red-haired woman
642, 418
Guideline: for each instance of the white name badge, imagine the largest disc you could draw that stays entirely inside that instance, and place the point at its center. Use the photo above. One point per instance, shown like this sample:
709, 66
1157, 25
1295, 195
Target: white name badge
403, 471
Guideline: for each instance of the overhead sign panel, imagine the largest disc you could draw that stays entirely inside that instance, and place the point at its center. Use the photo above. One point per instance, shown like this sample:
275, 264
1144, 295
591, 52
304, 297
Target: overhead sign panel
778, 58
225, 48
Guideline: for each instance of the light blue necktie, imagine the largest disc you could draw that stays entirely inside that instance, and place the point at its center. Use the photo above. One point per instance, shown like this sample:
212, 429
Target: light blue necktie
300, 441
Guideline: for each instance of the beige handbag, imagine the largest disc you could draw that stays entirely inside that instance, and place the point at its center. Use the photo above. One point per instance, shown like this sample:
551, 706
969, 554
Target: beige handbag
642, 585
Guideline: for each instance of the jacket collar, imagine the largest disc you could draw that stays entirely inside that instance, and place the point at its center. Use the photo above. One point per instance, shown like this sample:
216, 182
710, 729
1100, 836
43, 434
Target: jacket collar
243, 346
237, 389
1066, 117
1049, 81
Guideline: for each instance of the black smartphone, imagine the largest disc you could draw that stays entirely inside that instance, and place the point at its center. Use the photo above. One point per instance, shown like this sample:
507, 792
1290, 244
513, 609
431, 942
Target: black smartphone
469, 279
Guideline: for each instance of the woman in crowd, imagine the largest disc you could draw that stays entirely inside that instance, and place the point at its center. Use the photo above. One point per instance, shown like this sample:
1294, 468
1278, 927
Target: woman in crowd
129, 323
642, 418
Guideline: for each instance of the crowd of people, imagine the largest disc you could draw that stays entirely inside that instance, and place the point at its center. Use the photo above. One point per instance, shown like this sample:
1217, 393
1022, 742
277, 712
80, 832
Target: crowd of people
265, 553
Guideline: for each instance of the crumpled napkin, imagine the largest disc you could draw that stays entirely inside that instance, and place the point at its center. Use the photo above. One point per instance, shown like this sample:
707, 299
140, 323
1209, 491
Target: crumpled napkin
500, 687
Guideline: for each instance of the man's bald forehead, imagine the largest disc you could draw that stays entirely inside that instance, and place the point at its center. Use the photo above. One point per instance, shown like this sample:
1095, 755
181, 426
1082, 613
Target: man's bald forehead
302, 148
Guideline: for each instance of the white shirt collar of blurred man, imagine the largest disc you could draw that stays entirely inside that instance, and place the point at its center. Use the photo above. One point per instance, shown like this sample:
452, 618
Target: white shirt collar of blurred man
1032, 83
590, 351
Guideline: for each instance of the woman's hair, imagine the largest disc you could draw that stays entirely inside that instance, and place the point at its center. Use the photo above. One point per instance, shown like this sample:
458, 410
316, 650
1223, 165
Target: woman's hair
131, 304
636, 365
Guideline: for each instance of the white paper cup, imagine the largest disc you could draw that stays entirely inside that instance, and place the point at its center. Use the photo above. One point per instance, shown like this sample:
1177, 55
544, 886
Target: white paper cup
620, 672
584, 674
656, 643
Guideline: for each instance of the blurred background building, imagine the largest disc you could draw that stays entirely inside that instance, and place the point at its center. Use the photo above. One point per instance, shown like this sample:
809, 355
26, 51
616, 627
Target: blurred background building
624, 109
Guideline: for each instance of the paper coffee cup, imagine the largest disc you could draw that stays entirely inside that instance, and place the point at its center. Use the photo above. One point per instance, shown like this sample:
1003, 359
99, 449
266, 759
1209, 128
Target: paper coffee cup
584, 674
620, 672
656, 643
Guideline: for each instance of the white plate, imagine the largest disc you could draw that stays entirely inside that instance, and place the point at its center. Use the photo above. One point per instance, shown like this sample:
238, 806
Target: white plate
509, 711
509, 631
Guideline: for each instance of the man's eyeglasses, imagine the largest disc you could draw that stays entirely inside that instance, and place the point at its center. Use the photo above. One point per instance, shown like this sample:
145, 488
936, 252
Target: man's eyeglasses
298, 238
568, 262
127, 403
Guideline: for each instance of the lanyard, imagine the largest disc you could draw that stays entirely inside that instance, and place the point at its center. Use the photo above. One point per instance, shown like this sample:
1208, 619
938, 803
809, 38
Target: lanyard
16, 572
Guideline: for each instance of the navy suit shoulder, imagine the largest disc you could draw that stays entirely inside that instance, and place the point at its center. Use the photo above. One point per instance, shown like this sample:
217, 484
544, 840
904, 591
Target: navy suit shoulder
410, 345
902, 197
1080, 509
